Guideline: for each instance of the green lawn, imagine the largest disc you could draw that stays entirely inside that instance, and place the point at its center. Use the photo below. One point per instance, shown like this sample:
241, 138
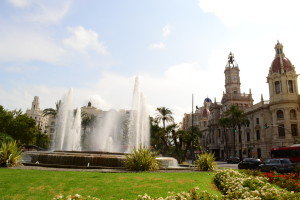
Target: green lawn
39, 185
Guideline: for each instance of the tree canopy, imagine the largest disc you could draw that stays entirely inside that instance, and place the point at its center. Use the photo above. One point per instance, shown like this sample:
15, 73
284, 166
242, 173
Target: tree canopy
20, 127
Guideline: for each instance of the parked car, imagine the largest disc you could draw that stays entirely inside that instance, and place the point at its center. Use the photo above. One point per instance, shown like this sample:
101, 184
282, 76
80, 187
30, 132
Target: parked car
233, 159
249, 163
281, 165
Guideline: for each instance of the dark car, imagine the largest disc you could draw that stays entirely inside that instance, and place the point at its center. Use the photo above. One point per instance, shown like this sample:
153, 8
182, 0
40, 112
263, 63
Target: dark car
281, 165
249, 163
233, 159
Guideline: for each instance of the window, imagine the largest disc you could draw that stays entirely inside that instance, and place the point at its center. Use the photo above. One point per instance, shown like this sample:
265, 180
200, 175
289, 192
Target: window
274, 161
257, 120
293, 114
281, 130
279, 114
277, 87
248, 136
294, 129
258, 153
234, 92
257, 134
290, 86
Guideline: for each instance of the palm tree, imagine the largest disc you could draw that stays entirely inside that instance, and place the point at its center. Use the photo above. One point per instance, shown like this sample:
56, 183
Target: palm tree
225, 124
237, 118
164, 115
87, 121
51, 111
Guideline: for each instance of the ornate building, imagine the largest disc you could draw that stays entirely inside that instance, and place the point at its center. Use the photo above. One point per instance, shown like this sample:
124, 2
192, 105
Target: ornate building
200, 117
37, 114
273, 123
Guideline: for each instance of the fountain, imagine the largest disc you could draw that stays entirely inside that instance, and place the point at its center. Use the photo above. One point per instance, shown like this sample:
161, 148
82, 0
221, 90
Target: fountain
114, 135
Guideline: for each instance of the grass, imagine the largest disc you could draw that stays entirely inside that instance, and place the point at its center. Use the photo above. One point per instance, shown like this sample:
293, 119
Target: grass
39, 185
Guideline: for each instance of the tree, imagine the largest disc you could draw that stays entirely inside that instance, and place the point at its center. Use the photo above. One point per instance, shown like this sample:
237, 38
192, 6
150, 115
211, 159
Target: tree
18, 126
164, 115
236, 118
225, 124
87, 121
191, 140
51, 111
158, 138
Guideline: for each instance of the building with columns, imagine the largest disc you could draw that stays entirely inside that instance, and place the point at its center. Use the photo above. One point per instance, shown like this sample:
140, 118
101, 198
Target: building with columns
273, 123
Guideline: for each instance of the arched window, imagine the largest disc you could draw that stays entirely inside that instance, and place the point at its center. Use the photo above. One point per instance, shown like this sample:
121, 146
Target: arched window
280, 114
277, 87
293, 114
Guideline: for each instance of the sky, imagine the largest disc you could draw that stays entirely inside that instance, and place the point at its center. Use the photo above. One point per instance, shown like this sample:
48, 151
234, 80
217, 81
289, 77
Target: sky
177, 48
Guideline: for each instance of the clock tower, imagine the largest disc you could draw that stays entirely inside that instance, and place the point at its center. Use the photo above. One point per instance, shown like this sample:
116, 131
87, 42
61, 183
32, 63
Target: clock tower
233, 95
232, 76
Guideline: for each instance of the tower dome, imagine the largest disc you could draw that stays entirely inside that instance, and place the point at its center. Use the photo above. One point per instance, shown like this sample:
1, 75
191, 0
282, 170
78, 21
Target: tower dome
280, 64
208, 100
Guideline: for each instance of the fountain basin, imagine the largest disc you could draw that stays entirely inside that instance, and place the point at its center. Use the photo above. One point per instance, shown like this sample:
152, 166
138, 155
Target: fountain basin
75, 159
85, 159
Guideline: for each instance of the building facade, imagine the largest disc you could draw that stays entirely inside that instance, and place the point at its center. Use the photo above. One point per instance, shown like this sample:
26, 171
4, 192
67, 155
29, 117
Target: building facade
273, 123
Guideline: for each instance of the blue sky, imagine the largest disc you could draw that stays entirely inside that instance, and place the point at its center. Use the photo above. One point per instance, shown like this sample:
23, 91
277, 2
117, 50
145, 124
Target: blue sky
176, 47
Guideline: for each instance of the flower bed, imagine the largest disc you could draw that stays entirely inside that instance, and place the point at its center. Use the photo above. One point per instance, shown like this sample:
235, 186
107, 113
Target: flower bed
290, 182
236, 185
193, 194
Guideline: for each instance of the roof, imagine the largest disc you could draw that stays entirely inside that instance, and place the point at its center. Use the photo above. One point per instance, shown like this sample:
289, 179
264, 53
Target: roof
286, 64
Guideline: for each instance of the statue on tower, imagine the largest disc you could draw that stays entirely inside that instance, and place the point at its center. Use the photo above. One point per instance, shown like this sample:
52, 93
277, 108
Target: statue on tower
230, 58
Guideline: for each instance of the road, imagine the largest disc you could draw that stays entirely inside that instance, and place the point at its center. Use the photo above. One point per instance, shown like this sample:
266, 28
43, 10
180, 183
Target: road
226, 165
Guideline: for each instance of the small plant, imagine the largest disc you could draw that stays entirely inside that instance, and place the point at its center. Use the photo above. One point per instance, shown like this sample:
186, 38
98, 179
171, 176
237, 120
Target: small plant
10, 154
206, 162
141, 159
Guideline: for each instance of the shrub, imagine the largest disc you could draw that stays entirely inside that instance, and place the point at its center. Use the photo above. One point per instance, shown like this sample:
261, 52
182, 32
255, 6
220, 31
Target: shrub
10, 154
5, 138
141, 159
206, 162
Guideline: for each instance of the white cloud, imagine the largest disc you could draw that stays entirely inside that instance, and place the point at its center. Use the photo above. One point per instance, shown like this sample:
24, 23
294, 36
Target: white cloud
49, 11
166, 31
42, 11
160, 45
83, 40
234, 12
20, 3
20, 44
